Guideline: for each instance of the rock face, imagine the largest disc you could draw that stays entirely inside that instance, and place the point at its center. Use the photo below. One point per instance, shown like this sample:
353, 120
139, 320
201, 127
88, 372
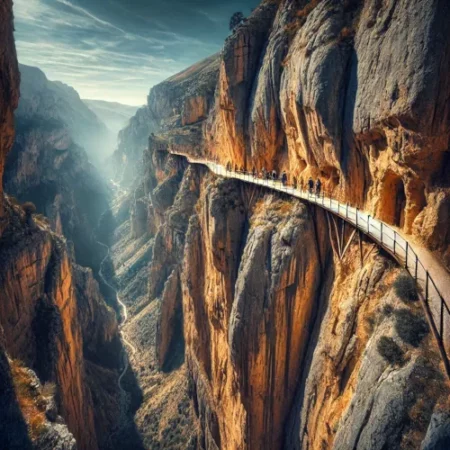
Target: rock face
53, 320
302, 347
47, 165
9, 91
54, 102
183, 100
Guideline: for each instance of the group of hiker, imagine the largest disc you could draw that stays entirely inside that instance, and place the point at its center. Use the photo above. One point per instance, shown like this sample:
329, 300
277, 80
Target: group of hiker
313, 187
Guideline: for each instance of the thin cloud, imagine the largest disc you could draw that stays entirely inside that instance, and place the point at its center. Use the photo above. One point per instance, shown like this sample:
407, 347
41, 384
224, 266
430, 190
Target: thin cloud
117, 50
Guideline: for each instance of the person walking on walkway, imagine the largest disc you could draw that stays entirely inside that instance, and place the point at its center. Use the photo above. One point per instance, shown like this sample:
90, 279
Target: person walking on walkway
284, 178
254, 172
310, 185
263, 173
236, 168
318, 187
274, 175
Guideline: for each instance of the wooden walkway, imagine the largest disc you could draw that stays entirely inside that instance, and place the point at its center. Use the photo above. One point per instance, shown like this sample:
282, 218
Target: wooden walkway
432, 279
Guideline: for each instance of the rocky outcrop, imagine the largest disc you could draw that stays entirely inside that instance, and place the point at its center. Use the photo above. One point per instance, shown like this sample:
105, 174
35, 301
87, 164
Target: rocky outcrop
54, 101
48, 305
40, 323
179, 104
48, 167
305, 348
9, 92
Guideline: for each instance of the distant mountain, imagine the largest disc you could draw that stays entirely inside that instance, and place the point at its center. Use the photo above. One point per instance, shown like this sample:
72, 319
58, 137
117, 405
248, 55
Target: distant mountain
115, 115
45, 100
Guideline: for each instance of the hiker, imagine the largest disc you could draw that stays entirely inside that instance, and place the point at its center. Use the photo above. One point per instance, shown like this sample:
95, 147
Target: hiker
284, 178
263, 172
294, 182
274, 175
254, 172
318, 187
236, 168
310, 185
228, 166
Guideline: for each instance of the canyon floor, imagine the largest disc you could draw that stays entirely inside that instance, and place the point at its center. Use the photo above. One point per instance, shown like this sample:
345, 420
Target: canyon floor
159, 409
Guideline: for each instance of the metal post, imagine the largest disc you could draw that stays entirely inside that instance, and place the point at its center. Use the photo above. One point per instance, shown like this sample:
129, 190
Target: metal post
407, 247
417, 264
441, 327
356, 217
395, 240
381, 232
368, 224
346, 211
427, 276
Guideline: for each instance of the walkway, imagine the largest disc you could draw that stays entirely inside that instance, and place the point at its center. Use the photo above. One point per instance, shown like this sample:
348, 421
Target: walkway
431, 278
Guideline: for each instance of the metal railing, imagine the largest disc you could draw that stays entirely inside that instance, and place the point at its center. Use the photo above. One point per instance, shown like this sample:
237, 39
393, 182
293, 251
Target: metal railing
436, 308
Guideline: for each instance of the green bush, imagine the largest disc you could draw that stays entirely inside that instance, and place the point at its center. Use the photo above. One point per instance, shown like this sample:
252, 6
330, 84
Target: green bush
405, 288
410, 327
390, 351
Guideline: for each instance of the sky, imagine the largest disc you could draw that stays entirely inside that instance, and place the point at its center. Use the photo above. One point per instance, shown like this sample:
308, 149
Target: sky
116, 50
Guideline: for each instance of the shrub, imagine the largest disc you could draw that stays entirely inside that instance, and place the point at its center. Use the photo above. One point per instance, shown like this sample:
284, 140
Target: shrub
49, 389
236, 19
405, 288
29, 208
390, 351
410, 327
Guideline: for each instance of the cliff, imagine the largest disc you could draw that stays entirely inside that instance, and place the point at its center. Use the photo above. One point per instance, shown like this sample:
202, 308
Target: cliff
288, 343
181, 101
54, 324
48, 166
9, 92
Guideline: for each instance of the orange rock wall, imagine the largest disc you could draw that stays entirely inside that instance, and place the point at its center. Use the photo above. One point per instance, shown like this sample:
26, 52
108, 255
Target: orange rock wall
9, 90
36, 276
339, 92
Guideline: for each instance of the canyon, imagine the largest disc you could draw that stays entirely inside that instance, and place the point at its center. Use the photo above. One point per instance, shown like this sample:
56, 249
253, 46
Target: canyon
247, 324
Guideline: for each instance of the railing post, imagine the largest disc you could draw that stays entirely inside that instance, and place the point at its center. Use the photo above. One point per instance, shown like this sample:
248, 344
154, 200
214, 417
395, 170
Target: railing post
346, 211
356, 217
381, 233
406, 258
417, 264
427, 276
395, 240
368, 224
441, 325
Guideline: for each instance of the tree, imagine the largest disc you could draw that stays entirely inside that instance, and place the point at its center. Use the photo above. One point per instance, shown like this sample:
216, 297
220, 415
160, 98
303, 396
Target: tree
29, 208
236, 19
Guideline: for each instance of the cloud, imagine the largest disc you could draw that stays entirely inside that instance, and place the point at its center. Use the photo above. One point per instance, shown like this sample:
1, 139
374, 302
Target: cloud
117, 49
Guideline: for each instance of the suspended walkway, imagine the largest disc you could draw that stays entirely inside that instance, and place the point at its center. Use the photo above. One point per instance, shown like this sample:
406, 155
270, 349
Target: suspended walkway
431, 278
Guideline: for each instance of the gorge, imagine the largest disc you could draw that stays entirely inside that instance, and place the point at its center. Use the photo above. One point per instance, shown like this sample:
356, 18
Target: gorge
173, 299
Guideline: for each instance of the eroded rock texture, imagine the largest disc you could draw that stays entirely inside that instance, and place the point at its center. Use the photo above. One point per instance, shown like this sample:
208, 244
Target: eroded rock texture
48, 166
289, 343
53, 319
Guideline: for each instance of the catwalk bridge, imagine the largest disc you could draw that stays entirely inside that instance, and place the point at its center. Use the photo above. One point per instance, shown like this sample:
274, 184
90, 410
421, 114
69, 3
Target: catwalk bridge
431, 278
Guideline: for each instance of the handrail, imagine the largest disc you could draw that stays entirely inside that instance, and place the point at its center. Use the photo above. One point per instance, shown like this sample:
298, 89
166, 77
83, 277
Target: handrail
434, 305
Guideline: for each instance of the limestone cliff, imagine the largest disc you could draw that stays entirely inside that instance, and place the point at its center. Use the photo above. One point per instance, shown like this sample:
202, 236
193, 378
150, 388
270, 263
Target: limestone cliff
53, 320
183, 100
9, 91
287, 342
48, 166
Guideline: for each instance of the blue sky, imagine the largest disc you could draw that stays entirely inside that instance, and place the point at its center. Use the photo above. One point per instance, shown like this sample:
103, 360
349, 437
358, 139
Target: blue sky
117, 49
